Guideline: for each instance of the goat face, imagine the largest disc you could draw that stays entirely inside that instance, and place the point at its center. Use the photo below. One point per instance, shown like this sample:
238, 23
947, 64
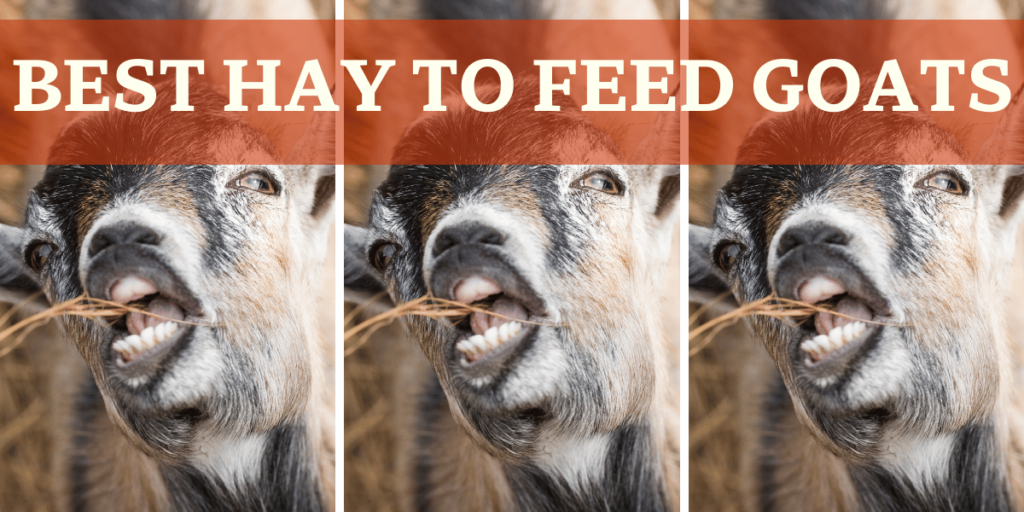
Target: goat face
569, 254
910, 254
228, 254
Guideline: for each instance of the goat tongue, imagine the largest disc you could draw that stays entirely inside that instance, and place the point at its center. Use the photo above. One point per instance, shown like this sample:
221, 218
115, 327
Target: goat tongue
163, 308
848, 306
509, 310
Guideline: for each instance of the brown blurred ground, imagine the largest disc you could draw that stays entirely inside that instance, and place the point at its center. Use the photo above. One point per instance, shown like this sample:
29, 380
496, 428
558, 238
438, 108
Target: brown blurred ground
24, 484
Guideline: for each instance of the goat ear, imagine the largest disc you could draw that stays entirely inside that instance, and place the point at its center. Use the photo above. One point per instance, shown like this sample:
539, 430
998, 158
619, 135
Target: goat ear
1010, 207
1005, 145
661, 144
17, 283
316, 146
668, 191
323, 194
362, 282
707, 283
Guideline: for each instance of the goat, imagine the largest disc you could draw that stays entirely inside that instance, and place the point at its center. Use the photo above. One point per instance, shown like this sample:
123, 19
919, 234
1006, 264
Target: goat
223, 403
911, 401
567, 403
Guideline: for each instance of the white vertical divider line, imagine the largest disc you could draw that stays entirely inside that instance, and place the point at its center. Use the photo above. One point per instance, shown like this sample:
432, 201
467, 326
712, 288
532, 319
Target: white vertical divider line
684, 305
339, 286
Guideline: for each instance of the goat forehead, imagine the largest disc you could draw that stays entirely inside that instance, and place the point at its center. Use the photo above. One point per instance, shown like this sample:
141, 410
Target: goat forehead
208, 134
76, 195
809, 134
763, 196
418, 196
519, 134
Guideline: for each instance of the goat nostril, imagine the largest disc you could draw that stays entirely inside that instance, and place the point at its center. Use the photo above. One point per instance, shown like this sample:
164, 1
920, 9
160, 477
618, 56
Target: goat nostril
814, 233
123, 234
787, 243
467, 234
443, 243
492, 238
836, 238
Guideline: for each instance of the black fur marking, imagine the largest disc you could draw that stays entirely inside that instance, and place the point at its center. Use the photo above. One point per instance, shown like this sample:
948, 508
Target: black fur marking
137, 10
568, 241
223, 238
975, 480
911, 247
631, 481
826, 10
480, 10
87, 408
432, 404
775, 406
286, 480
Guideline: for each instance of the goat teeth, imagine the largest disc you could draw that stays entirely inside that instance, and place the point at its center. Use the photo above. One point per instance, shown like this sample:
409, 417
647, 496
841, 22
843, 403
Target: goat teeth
147, 335
134, 343
491, 336
514, 328
836, 337
822, 344
503, 333
859, 328
121, 346
160, 332
479, 343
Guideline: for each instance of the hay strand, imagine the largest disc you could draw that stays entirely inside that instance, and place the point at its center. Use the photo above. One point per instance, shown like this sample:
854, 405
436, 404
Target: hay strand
770, 306
426, 306
81, 306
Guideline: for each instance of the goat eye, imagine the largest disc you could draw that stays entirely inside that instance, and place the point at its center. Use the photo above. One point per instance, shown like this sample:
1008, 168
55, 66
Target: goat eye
601, 182
726, 255
258, 182
946, 182
38, 254
382, 254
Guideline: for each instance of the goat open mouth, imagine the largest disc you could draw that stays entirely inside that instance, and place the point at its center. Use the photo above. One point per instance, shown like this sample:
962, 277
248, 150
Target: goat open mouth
485, 343
837, 332
833, 341
143, 341
504, 324
160, 323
